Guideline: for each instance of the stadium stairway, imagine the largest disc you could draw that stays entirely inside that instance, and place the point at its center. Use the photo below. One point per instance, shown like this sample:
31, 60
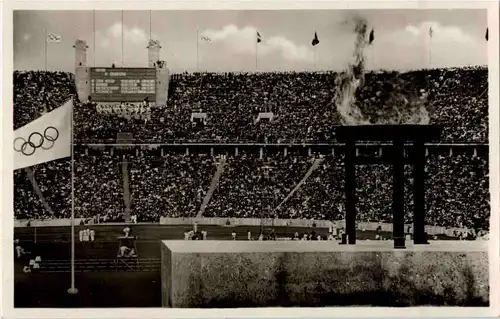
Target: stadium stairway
31, 176
313, 167
126, 189
213, 185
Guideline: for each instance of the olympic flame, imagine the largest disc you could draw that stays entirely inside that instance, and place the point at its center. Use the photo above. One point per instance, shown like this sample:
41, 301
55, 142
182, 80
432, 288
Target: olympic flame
398, 105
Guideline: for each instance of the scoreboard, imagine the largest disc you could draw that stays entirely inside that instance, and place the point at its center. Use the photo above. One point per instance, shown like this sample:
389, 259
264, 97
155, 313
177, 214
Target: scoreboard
122, 84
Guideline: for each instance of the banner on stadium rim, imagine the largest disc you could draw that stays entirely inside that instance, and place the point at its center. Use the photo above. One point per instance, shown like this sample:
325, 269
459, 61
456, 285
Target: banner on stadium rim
46, 139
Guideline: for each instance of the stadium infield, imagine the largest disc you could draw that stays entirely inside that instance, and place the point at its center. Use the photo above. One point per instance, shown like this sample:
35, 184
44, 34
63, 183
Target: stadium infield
122, 288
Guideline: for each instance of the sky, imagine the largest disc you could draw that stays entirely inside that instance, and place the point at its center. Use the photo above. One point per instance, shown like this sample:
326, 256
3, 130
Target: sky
401, 42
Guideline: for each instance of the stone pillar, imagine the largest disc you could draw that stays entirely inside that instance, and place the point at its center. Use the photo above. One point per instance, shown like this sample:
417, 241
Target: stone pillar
153, 52
350, 192
398, 192
419, 236
82, 72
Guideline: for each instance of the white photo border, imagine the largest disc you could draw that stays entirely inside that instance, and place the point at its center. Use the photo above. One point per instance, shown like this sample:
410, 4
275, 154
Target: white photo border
6, 171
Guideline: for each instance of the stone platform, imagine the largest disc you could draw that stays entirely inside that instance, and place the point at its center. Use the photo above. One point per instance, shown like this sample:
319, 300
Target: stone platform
228, 274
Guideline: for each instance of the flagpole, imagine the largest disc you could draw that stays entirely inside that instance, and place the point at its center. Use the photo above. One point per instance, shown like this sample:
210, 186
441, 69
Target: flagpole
430, 49
430, 53
93, 33
198, 49
73, 289
150, 25
256, 53
45, 42
315, 56
122, 38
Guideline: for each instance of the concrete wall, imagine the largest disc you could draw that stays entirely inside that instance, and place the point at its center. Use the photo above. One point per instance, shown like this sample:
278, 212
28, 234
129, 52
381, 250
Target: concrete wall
251, 274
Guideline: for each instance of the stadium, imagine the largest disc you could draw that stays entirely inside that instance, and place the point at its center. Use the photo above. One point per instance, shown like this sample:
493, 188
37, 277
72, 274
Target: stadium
237, 156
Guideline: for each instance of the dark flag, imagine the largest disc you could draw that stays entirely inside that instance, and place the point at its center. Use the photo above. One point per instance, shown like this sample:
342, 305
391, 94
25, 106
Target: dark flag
259, 38
315, 41
486, 36
372, 37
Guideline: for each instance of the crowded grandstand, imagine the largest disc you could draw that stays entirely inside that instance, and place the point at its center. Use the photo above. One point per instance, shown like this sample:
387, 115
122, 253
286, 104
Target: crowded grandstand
161, 182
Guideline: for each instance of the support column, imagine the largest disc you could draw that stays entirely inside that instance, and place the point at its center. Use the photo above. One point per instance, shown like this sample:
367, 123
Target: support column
419, 235
398, 191
350, 192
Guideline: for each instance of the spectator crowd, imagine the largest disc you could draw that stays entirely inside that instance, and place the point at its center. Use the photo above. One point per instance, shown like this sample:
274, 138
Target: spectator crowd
154, 183
158, 182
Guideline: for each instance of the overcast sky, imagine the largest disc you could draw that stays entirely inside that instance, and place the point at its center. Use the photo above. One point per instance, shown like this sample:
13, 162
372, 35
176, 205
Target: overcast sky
401, 39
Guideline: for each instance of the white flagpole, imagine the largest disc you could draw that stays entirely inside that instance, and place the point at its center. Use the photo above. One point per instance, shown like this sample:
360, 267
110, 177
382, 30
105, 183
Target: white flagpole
256, 53
122, 38
45, 42
197, 50
315, 57
93, 32
72, 290
431, 33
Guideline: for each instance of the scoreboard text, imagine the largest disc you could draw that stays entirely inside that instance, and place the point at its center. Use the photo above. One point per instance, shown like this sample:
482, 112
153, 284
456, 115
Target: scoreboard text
122, 84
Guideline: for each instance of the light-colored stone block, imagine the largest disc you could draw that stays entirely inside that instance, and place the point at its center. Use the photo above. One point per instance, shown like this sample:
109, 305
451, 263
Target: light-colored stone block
219, 274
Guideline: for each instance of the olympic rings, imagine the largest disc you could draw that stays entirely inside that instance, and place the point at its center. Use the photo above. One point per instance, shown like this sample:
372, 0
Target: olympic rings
28, 147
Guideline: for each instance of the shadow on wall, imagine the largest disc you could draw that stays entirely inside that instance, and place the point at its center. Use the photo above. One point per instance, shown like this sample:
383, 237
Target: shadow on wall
367, 283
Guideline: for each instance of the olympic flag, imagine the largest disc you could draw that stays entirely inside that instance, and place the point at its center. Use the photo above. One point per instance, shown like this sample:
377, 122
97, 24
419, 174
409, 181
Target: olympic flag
45, 139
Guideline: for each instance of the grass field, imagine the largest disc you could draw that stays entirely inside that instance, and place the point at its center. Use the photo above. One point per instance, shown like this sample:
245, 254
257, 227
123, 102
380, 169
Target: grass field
110, 289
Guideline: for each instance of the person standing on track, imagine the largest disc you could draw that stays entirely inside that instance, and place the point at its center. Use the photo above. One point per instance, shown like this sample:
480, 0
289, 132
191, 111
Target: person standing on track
86, 235
330, 237
204, 234
233, 234
80, 235
92, 235
126, 230
249, 234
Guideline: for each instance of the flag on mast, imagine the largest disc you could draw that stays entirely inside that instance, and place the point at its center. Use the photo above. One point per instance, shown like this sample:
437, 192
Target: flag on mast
372, 37
45, 139
259, 38
205, 39
431, 32
315, 41
486, 36
53, 38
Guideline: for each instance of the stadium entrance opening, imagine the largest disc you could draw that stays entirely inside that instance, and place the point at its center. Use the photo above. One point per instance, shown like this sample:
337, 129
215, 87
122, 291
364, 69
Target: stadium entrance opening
407, 149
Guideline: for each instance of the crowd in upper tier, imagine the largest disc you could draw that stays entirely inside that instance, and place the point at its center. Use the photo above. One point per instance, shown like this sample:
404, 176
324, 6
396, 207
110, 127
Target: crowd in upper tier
37, 92
151, 183
303, 106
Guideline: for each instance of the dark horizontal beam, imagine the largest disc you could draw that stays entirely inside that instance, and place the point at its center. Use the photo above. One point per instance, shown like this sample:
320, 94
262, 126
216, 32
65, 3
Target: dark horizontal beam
385, 160
422, 133
323, 145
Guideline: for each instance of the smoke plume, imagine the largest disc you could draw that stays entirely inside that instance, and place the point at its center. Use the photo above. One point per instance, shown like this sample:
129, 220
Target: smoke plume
392, 102
349, 82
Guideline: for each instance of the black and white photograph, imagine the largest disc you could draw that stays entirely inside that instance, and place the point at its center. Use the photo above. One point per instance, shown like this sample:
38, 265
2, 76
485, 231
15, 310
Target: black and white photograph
252, 158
